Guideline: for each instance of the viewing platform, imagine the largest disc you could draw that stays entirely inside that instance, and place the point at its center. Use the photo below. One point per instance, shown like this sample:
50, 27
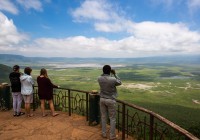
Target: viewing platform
78, 111
61, 127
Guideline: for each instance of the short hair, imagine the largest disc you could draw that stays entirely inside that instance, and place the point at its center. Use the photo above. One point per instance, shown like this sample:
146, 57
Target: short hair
16, 68
106, 69
27, 70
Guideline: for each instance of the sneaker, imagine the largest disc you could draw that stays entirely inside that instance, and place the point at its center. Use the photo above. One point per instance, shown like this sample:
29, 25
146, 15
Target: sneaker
115, 138
18, 114
15, 114
22, 113
104, 137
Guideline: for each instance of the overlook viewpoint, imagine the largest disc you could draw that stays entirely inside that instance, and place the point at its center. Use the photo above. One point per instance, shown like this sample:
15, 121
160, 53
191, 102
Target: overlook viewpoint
61, 127
152, 46
80, 113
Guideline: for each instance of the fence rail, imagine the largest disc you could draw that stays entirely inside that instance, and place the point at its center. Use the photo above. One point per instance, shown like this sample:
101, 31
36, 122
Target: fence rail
67, 100
132, 120
145, 124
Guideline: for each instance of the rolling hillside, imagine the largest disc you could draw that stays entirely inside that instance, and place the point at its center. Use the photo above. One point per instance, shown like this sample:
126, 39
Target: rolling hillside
10, 60
4, 73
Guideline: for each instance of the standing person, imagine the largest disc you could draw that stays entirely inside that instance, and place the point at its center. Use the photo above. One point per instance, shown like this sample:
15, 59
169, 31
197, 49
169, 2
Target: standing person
27, 89
45, 92
108, 95
16, 90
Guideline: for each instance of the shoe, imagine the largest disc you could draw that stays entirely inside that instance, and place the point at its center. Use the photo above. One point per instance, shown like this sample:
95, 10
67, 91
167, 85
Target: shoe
55, 114
30, 115
22, 113
18, 114
116, 138
15, 114
44, 115
104, 136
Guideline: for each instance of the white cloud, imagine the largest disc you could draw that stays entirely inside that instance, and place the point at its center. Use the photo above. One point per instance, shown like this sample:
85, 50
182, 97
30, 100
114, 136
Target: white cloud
163, 39
109, 27
7, 5
160, 38
92, 10
9, 35
101, 13
145, 38
31, 4
78, 46
193, 5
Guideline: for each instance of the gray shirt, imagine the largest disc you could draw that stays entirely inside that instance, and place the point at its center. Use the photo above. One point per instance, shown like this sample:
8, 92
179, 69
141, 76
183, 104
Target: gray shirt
108, 85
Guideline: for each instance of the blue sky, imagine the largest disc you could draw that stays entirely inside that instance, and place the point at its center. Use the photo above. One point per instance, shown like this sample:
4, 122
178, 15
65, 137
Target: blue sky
99, 28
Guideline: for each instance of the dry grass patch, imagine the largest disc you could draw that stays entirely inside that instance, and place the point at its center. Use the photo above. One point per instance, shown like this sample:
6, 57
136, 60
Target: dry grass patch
138, 86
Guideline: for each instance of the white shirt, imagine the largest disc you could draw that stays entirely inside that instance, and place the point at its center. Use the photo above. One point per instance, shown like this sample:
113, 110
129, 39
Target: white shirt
26, 84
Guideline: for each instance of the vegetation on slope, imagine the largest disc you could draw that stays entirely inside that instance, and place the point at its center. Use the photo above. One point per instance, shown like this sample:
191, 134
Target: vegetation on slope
4, 73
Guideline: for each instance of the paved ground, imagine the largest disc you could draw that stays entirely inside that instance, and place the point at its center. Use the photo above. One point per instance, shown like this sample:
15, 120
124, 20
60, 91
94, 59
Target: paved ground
61, 127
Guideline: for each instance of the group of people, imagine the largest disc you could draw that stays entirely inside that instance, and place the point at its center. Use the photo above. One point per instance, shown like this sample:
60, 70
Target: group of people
22, 86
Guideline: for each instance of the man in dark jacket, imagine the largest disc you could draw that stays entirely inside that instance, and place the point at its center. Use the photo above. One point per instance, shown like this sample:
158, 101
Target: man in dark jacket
16, 90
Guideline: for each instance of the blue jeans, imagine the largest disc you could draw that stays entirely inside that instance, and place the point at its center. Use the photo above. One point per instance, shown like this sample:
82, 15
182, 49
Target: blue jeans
108, 107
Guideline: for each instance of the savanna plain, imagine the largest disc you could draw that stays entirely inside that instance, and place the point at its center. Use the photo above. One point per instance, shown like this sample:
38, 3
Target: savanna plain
171, 90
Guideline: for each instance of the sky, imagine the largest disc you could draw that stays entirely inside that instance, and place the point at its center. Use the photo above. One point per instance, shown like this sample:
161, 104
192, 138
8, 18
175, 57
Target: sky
100, 28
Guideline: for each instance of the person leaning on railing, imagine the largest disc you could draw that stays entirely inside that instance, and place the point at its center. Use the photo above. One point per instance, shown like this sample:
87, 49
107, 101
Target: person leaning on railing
108, 95
45, 91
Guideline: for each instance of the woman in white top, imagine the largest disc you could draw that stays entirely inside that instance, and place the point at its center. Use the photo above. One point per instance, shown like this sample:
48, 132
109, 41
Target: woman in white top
27, 89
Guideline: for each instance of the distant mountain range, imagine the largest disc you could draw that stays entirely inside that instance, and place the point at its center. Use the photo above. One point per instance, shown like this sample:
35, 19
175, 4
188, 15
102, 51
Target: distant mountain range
10, 59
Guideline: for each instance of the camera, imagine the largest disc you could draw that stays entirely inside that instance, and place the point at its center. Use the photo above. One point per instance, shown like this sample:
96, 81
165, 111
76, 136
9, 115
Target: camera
112, 71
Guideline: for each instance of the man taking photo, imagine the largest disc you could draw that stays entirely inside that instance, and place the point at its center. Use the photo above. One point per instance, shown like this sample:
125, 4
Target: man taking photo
108, 95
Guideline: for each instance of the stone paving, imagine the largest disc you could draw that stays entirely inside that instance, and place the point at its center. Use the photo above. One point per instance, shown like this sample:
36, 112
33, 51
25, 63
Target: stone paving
61, 127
